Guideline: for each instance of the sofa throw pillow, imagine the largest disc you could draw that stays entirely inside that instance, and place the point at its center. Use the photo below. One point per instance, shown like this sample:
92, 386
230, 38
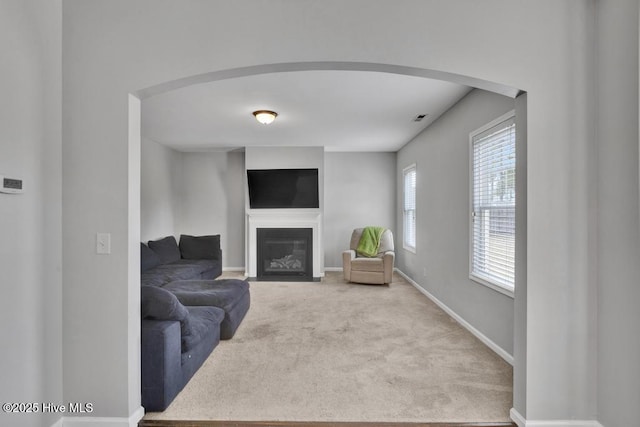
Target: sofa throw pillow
160, 304
148, 258
167, 249
200, 247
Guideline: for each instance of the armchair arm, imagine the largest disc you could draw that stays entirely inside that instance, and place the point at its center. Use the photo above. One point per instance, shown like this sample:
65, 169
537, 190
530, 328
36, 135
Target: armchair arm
347, 257
388, 261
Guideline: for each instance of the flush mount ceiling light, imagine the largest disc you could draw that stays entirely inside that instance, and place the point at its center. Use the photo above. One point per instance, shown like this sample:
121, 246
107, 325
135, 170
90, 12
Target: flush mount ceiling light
265, 116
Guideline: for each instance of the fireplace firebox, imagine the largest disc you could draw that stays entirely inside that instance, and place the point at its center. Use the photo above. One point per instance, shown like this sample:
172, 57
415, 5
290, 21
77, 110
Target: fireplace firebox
285, 254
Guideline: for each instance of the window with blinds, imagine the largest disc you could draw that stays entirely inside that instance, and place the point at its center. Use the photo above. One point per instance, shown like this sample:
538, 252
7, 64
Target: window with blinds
409, 208
493, 202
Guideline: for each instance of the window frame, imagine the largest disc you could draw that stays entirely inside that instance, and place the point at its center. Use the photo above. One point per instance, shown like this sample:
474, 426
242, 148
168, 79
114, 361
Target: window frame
486, 281
406, 245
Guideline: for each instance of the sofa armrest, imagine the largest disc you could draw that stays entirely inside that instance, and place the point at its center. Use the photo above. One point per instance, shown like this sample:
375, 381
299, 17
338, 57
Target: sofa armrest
347, 257
160, 363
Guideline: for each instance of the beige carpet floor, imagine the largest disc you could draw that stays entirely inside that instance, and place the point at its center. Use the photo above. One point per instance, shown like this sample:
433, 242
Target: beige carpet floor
332, 351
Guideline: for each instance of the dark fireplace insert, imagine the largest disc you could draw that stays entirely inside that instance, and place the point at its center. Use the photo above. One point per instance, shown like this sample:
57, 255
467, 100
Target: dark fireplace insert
285, 254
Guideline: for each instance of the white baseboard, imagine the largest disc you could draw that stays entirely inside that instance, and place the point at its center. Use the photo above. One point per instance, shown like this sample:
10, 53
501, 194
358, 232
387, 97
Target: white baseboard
517, 418
488, 342
132, 421
333, 269
233, 268
563, 423
522, 422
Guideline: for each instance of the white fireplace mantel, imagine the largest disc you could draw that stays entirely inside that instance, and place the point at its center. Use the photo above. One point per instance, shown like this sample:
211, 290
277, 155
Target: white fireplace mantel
284, 218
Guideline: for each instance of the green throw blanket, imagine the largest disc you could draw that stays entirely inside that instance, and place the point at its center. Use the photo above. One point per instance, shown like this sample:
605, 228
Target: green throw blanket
370, 241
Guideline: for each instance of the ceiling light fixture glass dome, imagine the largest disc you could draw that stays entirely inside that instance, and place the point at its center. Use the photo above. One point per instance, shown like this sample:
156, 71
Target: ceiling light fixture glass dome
265, 116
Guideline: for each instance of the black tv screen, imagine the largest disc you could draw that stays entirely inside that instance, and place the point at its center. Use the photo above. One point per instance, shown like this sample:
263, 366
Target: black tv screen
283, 188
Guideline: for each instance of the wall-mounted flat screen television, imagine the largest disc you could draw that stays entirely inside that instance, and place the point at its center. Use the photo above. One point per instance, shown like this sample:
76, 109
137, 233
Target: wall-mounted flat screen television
283, 188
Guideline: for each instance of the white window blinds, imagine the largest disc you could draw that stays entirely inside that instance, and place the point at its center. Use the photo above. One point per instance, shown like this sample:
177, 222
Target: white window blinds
493, 204
409, 208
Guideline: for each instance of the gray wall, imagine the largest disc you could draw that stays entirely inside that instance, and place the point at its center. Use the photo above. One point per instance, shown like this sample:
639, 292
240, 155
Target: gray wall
618, 236
193, 193
360, 190
160, 173
567, 105
212, 201
441, 261
31, 244
546, 48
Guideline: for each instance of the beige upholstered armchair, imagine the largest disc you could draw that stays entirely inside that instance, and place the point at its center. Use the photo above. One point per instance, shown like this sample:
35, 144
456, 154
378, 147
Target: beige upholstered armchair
377, 270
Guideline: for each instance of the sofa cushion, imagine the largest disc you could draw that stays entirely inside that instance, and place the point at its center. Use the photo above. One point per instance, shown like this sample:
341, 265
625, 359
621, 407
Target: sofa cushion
159, 304
148, 258
167, 249
367, 264
200, 247
223, 293
231, 295
204, 321
183, 269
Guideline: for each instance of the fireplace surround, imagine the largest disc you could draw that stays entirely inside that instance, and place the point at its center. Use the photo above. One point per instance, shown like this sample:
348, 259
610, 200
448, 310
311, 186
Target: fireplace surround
284, 254
290, 219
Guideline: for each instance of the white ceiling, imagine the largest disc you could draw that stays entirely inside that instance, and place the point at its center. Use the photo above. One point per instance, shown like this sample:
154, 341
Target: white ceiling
340, 110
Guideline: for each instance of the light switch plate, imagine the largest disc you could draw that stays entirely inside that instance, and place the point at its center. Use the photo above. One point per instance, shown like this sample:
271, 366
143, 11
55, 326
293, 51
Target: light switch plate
103, 243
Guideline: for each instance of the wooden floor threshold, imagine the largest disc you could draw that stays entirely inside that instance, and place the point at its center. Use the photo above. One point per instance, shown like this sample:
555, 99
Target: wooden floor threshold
160, 423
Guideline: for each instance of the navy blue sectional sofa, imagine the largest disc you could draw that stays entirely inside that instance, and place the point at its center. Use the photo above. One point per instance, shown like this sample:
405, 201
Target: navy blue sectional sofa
164, 261
185, 312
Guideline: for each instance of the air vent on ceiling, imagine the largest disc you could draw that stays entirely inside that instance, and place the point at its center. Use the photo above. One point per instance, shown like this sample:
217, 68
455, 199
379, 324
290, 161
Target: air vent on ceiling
419, 117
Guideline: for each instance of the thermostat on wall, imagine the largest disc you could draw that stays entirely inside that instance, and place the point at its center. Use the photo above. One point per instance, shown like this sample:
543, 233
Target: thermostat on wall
10, 185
